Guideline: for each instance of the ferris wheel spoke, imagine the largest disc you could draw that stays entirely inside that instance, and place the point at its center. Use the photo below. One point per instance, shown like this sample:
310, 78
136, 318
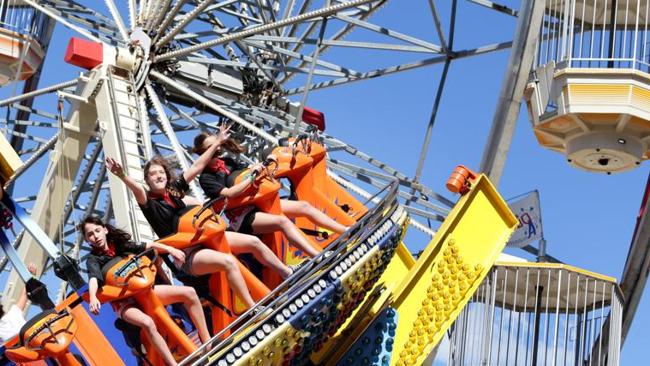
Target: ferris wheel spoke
118, 19
339, 43
417, 46
58, 16
167, 128
260, 29
438, 24
37, 154
291, 29
182, 115
76, 191
372, 8
167, 20
178, 27
305, 58
38, 92
94, 22
389, 32
38, 112
18, 122
133, 21
242, 17
402, 68
404, 183
73, 7
160, 15
210, 104
28, 137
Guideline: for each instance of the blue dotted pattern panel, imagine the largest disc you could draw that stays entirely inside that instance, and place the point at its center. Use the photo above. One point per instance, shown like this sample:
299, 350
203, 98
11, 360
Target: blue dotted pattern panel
375, 345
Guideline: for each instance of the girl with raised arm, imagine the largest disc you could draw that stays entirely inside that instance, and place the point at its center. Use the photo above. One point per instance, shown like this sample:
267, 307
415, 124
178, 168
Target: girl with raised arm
166, 202
217, 179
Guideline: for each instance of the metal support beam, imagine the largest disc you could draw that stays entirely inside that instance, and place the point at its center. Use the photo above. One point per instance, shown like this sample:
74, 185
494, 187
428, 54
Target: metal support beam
401, 68
61, 20
512, 89
323, 12
56, 185
303, 101
436, 103
118, 19
637, 265
120, 122
208, 103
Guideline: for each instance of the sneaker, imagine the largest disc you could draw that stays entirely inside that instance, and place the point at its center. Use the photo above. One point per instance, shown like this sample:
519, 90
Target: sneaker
326, 254
263, 310
296, 267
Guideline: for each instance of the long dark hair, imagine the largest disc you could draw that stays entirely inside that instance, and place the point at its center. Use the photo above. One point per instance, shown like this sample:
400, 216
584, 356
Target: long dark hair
116, 236
230, 144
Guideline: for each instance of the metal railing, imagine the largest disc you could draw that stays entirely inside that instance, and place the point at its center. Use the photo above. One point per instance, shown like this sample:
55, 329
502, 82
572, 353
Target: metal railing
282, 294
595, 34
20, 18
550, 315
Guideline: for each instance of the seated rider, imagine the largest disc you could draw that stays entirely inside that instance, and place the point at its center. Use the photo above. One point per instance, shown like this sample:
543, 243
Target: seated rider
217, 179
166, 202
107, 242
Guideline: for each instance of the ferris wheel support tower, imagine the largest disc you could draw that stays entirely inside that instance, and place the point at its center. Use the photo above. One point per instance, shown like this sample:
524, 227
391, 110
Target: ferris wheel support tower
106, 106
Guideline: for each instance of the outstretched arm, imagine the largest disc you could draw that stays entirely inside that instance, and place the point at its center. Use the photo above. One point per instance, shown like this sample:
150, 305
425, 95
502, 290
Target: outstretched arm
240, 187
22, 299
204, 159
93, 303
177, 254
138, 191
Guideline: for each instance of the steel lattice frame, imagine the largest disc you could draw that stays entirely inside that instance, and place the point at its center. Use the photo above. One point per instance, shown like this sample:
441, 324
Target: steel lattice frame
279, 49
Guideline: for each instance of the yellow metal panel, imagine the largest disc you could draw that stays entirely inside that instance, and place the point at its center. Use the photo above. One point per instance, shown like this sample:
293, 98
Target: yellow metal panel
9, 160
446, 275
640, 98
599, 93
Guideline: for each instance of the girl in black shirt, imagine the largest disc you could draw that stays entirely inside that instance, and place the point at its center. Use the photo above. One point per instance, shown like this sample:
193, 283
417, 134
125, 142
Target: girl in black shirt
166, 202
107, 242
217, 180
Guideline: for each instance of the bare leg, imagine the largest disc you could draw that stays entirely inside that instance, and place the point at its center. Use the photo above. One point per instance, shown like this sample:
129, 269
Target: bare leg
187, 295
207, 261
267, 223
242, 243
304, 209
136, 317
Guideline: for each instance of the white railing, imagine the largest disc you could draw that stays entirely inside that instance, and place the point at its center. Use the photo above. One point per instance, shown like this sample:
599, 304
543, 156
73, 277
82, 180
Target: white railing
23, 19
530, 316
595, 34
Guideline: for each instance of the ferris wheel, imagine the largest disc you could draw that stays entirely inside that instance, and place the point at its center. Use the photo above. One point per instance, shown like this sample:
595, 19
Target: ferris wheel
147, 76
152, 74
163, 70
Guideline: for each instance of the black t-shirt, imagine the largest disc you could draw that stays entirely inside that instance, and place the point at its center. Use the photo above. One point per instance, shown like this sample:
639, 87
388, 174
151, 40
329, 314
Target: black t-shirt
162, 216
96, 261
213, 183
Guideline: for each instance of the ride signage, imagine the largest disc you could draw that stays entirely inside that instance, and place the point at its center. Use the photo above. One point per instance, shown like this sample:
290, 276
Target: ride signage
527, 209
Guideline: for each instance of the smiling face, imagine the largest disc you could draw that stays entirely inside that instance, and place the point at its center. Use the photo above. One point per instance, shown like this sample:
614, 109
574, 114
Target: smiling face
95, 235
156, 178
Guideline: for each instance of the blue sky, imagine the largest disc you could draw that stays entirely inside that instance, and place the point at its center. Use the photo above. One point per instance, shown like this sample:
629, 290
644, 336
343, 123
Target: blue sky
588, 218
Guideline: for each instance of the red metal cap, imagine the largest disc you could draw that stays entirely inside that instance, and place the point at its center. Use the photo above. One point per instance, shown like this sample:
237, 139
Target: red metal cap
314, 117
83, 53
